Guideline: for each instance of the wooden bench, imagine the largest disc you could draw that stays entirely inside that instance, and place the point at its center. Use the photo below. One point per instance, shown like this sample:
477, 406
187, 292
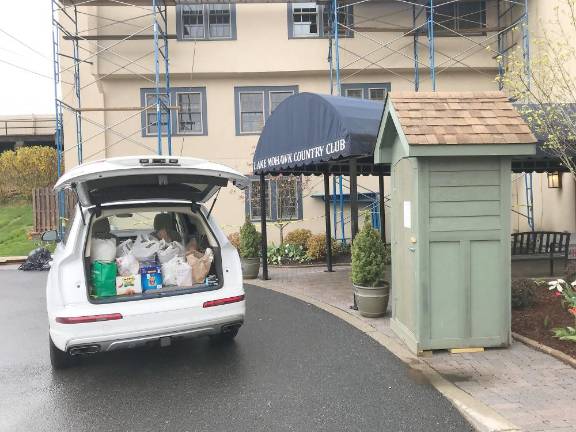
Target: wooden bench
541, 244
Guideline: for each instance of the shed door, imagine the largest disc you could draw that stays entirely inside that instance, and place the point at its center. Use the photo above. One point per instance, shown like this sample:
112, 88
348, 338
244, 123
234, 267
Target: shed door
468, 252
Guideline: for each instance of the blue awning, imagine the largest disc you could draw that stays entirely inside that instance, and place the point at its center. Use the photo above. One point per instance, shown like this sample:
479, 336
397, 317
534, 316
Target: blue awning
311, 133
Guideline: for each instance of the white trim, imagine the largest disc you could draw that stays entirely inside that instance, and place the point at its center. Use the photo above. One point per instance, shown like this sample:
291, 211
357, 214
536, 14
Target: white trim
263, 93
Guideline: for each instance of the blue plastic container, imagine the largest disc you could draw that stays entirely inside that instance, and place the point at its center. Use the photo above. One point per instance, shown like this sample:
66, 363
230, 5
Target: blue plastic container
151, 277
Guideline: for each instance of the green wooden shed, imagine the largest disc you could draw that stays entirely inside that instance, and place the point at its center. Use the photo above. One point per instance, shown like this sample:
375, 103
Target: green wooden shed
450, 156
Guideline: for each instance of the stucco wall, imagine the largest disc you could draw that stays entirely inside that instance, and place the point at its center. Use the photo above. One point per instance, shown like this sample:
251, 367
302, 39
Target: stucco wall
262, 55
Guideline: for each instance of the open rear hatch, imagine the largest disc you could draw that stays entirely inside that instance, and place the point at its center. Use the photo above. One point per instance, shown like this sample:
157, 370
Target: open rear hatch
146, 189
148, 177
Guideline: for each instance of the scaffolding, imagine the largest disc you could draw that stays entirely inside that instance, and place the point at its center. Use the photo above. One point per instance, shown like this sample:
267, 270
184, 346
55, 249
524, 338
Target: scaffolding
75, 48
431, 20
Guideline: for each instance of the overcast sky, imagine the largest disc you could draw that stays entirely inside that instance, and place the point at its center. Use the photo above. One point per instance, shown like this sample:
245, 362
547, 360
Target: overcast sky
24, 92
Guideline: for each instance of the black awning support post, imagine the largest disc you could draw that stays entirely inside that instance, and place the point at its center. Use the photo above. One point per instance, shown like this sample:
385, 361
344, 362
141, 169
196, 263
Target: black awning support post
353, 198
263, 238
327, 221
382, 208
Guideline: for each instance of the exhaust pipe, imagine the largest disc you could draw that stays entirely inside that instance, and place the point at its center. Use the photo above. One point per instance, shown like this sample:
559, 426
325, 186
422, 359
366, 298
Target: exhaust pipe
229, 328
84, 350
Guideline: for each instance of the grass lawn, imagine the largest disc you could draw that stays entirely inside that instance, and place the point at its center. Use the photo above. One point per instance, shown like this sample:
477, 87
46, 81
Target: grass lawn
15, 222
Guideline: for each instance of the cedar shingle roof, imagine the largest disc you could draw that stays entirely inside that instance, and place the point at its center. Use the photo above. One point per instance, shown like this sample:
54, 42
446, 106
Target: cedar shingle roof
460, 118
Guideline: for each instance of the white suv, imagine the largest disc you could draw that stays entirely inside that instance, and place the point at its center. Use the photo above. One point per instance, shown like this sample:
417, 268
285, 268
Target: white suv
123, 200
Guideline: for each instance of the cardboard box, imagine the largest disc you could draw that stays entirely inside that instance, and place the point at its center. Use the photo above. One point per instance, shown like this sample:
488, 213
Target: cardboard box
128, 285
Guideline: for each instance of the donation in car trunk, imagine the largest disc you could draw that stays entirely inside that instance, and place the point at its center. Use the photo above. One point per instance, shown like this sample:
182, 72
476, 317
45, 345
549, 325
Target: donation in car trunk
172, 193
103, 278
154, 259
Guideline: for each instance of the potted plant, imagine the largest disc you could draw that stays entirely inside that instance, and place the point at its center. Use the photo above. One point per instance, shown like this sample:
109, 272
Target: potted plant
368, 257
249, 250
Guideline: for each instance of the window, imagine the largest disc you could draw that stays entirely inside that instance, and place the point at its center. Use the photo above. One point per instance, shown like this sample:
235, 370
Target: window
277, 97
309, 20
254, 197
251, 112
219, 21
188, 114
152, 116
354, 93
375, 91
305, 20
283, 199
460, 16
287, 198
255, 104
206, 21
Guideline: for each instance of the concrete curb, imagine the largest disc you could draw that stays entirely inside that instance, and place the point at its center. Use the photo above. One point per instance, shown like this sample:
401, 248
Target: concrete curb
481, 417
559, 355
12, 260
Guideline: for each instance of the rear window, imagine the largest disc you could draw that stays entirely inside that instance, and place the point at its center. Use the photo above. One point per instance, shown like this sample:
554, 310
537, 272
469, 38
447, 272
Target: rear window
132, 221
162, 224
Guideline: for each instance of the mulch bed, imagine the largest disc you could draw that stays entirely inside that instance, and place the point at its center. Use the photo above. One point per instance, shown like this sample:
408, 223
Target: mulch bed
537, 321
336, 259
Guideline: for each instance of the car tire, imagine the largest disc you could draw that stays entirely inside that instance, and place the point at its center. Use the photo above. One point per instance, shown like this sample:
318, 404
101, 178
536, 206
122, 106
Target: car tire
59, 359
226, 337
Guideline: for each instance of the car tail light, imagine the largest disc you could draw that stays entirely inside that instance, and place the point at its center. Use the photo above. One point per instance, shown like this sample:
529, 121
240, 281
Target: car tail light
88, 318
223, 301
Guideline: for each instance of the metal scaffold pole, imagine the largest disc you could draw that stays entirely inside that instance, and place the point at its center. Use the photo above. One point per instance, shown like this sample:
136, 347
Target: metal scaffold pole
77, 113
160, 104
431, 47
415, 46
526, 43
57, 108
336, 54
336, 46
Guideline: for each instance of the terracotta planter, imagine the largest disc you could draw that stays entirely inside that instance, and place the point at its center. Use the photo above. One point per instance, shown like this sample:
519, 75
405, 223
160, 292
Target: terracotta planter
372, 302
250, 267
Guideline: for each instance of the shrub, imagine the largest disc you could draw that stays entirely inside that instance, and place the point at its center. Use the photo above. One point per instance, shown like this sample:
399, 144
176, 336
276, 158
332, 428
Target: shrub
287, 253
25, 169
523, 293
368, 256
234, 238
298, 237
249, 241
340, 248
316, 247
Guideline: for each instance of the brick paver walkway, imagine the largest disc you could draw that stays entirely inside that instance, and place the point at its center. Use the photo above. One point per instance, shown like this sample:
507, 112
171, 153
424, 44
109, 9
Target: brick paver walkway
531, 389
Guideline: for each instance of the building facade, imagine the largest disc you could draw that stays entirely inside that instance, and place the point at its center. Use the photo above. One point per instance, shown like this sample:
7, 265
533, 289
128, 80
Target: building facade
232, 64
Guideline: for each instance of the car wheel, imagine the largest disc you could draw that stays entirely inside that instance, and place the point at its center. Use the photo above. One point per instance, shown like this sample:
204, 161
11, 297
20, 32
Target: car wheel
59, 359
227, 336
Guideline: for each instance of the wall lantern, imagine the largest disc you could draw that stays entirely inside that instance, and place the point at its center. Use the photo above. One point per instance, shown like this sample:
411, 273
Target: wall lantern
555, 180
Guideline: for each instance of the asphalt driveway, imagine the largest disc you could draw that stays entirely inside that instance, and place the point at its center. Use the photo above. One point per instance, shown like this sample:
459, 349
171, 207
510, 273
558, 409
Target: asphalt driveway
293, 367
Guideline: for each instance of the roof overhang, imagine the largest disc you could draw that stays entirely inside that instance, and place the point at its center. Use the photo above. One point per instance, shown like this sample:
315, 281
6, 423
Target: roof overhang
483, 124
310, 133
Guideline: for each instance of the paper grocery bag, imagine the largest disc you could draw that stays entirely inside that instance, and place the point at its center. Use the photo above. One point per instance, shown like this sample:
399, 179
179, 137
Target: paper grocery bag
200, 264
